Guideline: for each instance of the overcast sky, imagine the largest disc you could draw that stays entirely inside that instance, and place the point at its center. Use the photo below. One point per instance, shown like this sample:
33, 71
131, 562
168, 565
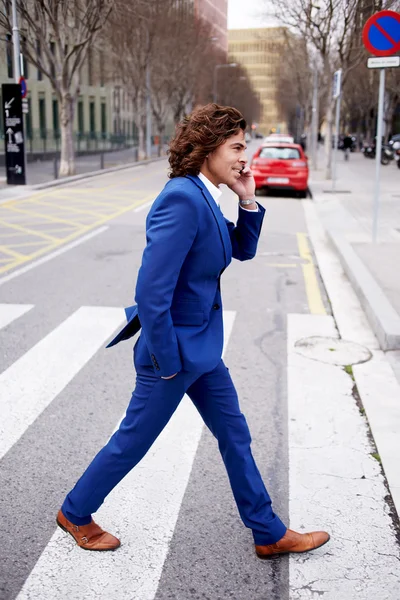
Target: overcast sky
243, 14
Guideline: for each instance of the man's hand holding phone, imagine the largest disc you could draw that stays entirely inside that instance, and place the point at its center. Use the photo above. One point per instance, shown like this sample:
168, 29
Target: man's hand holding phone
245, 186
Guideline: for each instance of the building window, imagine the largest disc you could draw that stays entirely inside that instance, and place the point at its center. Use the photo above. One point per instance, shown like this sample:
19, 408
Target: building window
81, 118
39, 53
90, 66
10, 70
24, 63
42, 117
92, 117
53, 53
103, 120
28, 121
56, 120
101, 59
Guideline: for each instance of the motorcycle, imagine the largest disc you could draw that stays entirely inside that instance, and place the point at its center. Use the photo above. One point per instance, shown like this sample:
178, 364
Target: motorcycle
396, 149
397, 157
387, 153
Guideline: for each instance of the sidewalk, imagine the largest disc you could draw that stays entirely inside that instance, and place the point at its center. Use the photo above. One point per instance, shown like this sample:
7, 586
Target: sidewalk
38, 172
371, 267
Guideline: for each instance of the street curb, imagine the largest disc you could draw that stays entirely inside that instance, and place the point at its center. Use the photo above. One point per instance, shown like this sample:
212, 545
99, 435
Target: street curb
73, 178
384, 320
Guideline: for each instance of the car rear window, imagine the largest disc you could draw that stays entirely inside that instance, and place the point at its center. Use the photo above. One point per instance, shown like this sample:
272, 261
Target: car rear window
280, 153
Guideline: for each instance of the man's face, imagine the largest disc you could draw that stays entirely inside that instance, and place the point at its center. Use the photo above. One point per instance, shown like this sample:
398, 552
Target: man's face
225, 163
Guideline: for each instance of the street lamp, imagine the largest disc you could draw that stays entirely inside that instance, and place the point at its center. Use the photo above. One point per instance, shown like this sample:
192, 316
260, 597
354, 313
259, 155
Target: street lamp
216, 69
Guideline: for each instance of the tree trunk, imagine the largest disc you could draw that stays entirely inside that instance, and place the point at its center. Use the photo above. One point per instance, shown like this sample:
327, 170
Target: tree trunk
328, 140
141, 128
160, 133
67, 162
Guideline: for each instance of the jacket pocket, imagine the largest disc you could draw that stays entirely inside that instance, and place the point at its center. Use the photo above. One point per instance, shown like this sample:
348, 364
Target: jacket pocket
180, 317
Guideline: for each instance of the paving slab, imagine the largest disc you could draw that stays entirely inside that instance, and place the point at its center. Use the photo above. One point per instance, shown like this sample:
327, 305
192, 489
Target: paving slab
370, 265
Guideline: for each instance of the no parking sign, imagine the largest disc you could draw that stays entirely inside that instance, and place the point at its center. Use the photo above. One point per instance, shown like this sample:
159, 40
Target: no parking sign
381, 37
381, 33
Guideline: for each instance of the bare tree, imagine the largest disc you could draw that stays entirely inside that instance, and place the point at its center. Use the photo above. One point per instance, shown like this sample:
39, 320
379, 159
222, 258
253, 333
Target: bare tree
332, 31
57, 36
134, 33
294, 90
235, 89
178, 63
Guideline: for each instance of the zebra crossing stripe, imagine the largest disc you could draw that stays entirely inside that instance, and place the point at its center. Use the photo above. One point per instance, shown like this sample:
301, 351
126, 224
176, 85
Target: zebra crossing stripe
11, 312
142, 510
33, 381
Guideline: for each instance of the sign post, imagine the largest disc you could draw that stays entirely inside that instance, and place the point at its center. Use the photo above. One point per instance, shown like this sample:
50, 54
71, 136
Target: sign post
14, 134
381, 37
337, 95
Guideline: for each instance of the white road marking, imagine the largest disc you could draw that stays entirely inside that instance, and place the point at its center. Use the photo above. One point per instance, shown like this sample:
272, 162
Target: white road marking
11, 312
142, 510
334, 482
52, 255
34, 380
140, 208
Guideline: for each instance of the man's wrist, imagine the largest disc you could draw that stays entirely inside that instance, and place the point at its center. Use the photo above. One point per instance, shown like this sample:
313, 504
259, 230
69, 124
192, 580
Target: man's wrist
247, 200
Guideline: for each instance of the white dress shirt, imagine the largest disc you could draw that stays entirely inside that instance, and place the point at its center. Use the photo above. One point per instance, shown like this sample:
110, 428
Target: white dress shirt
216, 192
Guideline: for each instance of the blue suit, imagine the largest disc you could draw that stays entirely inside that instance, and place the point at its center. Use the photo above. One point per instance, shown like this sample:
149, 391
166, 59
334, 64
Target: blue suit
179, 311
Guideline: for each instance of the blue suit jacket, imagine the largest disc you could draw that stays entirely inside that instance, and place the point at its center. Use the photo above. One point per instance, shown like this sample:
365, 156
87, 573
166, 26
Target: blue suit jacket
189, 244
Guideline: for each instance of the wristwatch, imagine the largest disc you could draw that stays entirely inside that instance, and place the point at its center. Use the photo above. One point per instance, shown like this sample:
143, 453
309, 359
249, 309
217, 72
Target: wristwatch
247, 202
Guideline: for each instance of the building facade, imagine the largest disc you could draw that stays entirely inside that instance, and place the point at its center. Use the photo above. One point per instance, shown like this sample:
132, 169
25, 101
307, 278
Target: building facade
260, 51
101, 110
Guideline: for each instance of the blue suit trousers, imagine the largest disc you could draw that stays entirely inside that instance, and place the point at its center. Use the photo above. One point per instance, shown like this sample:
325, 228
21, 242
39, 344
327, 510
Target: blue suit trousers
153, 402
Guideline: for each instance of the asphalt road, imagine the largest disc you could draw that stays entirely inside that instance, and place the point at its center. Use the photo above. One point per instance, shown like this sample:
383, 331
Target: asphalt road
69, 262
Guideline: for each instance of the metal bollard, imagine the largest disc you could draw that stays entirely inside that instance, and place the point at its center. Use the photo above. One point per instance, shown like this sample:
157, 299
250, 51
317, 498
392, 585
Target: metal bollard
101, 160
55, 165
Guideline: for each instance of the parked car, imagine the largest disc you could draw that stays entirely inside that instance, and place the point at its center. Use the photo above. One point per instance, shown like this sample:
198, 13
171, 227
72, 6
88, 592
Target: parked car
281, 166
279, 138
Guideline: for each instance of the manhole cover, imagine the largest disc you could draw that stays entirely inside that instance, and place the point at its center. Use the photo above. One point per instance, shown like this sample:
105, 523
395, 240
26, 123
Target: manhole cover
332, 350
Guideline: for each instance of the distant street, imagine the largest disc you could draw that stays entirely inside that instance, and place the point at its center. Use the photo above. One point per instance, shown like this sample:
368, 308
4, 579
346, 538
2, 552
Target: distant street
69, 256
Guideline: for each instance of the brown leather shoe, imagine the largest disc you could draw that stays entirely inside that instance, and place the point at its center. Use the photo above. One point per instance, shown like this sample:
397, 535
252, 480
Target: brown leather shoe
88, 537
294, 542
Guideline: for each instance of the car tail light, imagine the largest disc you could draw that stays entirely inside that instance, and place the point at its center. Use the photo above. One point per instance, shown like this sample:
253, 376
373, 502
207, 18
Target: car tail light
299, 163
254, 163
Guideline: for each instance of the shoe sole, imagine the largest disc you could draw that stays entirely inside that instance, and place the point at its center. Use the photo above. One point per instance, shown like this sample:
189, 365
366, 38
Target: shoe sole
278, 554
83, 547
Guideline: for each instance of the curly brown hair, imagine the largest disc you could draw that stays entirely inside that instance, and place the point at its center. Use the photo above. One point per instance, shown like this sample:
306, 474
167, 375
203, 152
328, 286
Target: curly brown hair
200, 133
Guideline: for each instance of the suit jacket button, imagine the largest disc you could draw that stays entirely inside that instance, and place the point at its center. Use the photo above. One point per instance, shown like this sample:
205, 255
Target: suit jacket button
216, 307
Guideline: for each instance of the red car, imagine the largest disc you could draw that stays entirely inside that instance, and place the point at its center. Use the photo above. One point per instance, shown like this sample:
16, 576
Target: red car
281, 166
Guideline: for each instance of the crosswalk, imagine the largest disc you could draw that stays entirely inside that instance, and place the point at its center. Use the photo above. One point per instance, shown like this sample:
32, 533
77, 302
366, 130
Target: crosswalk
333, 481
149, 497
33, 381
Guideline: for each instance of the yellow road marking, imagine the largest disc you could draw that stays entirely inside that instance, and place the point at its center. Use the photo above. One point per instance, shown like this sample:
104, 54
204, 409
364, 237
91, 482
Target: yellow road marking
22, 245
281, 265
59, 242
11, 252
69, 187
27, 230
63, 195
70, 208
53, 219
314, 297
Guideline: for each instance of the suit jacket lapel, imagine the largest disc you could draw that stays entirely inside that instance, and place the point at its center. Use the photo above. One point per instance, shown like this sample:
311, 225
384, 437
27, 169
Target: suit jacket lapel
219, 218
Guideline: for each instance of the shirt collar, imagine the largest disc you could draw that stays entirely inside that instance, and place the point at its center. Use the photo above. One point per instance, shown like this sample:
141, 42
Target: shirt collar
214, 191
